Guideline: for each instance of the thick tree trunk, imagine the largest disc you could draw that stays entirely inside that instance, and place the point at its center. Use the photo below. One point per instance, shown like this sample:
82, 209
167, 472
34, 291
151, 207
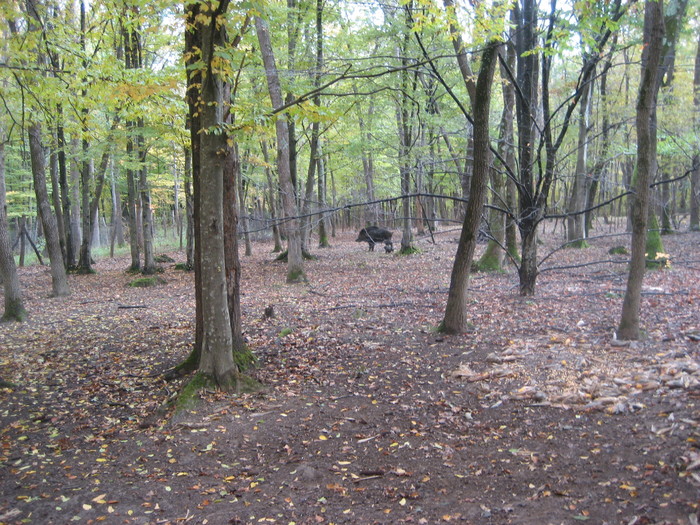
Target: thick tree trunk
456, 310
295, 266
646, 109
59, 279
14, 307
216, 358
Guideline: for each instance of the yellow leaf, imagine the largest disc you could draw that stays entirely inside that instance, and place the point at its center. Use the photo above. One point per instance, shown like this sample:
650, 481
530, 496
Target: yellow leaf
322, 437
100, 499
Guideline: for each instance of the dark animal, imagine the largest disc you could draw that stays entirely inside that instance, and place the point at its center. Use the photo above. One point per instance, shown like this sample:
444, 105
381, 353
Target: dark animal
373, 235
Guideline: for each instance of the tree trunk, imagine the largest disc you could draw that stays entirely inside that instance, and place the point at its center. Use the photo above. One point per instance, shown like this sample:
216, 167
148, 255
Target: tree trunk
295, 267
455, 319
131, 197
14, 307
189, 207
75, 212
243, 212
272, 200
149, 263
232, 173
323, 225
576, 231
695, 175
56, 199
92, 224
216, 358
59, 279
65, 191
646, 109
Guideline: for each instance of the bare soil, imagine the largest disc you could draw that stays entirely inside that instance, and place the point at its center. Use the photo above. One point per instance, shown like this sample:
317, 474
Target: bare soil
537, 415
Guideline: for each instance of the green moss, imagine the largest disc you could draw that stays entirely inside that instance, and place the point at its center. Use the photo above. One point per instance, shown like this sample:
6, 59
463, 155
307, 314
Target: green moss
296, 276
184, 267
655, 256
578, 244
188, 399
285, 332
163, 258
618, 250
489, 261
146, 282
15, 312
410, 250
513, 253
244, 358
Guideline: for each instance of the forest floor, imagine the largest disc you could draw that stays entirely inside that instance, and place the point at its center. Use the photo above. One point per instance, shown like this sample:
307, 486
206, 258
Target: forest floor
536, 416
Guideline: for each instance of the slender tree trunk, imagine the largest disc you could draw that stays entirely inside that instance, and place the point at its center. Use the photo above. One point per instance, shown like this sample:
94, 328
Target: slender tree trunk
295, 265
59, 279
455, 319
242, 212
232, 173
189, 207
272, 199
65, 191
75, 212
576, 231
323, 225
695, 175
309, 189
149, 263
56, 200
646, 109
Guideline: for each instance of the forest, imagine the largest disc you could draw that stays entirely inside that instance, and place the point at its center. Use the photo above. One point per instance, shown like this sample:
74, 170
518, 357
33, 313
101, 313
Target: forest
189, 307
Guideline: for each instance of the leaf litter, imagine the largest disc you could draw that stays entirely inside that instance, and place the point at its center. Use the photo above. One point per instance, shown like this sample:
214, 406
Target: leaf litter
536, 415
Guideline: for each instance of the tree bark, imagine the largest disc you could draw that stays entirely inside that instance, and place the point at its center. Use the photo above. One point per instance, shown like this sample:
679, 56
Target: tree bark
295, 264
646, 109
695, 175
14, 306
576, 231
455, 319
272, 200
216, 358
59, 278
